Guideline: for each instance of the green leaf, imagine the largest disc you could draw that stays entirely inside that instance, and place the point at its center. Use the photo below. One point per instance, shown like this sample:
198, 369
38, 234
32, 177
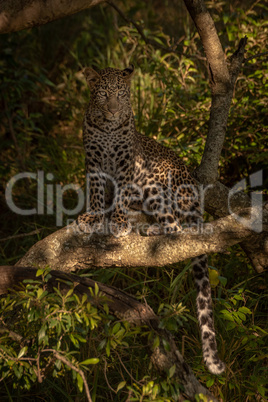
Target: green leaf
69, 293
52, 323
22, 352
156, 390
116, 327
58, 364
223, 280
120, 385
241, 315
18, 370
41, 293
80, 382
41, 334
80, 338
227, 315
171, 371
156, 342
96, 289
213, 277
78, 317
120, 333
93, 360
84, 298
166, 345
164, 386
210, 382
57, 291
230, 326
108, 349
74, 340
106, 308
245, 310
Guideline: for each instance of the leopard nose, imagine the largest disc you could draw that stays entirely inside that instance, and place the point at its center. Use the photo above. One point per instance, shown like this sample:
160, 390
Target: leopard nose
113, 110
112, 105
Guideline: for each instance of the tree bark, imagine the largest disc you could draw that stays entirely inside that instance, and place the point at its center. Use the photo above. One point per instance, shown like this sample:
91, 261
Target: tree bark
256, 245
22, 14
222, 82
69, 249
125, 307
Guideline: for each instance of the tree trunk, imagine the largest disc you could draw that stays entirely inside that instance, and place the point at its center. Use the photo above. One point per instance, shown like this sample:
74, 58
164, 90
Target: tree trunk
222, 82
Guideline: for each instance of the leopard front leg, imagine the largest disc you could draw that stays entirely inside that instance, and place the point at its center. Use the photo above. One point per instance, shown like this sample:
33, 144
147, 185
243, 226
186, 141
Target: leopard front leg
120, 224
93, 219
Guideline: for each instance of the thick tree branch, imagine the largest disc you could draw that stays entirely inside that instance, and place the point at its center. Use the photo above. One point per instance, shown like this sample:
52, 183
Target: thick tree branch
222, 82
22, 14
124, 307
219, 74
70, 249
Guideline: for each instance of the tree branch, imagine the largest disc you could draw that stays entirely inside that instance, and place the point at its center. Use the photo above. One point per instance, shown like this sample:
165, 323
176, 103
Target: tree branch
124, 306
219, 74
33, 232
73, 367
69, 249
16, 14
222, 82
256, 56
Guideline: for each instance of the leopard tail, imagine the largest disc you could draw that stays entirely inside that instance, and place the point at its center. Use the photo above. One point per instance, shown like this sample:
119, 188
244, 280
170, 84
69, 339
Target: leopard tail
205, 315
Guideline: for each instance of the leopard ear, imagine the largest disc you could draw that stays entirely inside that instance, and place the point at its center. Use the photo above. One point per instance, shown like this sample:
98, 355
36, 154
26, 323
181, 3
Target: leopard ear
128, 72
91, 76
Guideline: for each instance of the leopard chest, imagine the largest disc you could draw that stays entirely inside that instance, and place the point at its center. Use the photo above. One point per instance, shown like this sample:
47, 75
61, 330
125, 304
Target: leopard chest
113, 151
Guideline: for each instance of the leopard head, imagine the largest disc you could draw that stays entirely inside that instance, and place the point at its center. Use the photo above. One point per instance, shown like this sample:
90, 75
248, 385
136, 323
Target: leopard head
110, 92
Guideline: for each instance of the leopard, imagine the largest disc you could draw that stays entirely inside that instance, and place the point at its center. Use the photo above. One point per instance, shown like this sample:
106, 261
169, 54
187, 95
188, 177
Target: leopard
142, 170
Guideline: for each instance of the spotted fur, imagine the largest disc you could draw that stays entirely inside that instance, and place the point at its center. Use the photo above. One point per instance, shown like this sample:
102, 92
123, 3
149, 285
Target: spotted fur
143, 169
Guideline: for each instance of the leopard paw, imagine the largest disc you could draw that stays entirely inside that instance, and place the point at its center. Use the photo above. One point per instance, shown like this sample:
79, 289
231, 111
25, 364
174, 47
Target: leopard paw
120, 229
154, 230
90, 223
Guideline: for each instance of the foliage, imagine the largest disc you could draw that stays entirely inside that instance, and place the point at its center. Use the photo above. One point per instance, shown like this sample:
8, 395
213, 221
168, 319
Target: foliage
43, 97
55, 338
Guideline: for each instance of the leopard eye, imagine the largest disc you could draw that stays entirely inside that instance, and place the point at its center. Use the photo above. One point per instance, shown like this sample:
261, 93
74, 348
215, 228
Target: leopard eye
121, 92
102, 93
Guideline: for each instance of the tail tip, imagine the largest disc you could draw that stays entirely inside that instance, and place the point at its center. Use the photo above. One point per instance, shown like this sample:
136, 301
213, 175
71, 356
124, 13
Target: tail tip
216, 368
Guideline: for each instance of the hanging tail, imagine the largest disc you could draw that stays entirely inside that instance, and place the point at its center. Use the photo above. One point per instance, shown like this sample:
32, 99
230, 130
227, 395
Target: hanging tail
205, 315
